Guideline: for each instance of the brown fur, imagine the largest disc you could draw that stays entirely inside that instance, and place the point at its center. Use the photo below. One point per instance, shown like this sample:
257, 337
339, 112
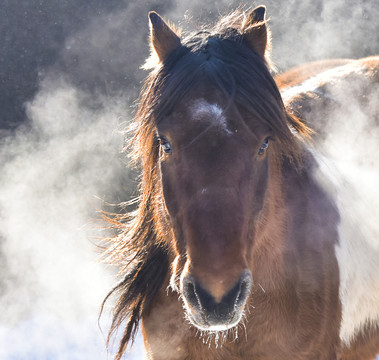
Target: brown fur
213, 207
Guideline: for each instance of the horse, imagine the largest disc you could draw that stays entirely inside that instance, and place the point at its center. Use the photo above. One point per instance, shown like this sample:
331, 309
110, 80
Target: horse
237, 247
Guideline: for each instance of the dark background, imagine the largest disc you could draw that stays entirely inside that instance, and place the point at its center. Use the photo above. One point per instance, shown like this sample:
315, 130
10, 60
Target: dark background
100, 44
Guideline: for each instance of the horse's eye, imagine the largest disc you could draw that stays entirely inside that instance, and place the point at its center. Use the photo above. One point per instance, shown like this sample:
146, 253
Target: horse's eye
165, 145
264, 146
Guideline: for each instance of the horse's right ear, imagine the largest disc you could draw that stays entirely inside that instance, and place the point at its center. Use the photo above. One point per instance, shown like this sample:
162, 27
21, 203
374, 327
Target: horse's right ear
163, 38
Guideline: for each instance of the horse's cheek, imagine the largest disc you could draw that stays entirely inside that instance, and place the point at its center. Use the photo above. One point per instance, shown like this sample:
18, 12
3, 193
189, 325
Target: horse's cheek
168, 186
259, 186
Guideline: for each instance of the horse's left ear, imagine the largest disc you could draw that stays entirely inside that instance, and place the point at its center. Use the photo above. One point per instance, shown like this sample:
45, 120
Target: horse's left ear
164, 40
256, 32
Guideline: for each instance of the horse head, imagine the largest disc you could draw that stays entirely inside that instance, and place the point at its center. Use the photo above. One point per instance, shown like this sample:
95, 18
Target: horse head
220, 130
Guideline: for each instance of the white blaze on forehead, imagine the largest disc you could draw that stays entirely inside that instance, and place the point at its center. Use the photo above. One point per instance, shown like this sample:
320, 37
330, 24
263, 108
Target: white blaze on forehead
202, 110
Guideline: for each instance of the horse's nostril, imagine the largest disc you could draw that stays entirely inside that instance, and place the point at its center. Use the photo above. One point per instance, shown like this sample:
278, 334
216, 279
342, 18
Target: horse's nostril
245, 283
237, 296
189, 291
196, 296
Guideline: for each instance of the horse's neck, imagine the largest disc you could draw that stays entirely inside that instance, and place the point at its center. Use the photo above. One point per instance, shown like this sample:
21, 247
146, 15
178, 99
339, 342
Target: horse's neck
300, 217
269, 235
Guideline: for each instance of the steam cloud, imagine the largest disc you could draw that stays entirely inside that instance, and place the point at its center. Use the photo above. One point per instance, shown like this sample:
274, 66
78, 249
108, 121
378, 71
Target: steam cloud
64, 101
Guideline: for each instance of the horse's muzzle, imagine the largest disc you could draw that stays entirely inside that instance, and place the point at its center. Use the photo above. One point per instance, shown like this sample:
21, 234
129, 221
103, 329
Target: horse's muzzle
207, 314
